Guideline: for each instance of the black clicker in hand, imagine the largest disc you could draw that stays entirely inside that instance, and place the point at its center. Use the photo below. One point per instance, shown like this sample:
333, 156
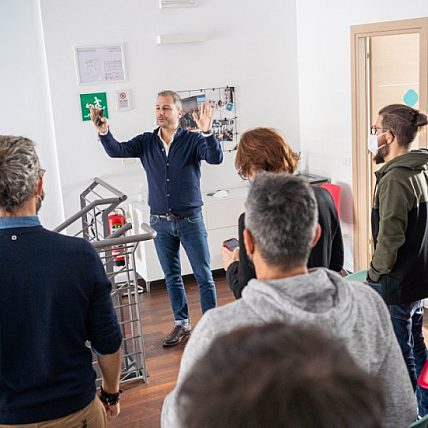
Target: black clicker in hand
98, 117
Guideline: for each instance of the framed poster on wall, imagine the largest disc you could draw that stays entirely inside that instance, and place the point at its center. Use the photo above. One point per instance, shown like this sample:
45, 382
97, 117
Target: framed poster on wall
100, 64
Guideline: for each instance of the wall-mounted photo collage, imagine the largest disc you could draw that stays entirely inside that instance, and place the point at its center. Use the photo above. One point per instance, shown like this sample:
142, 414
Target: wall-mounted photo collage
222, 100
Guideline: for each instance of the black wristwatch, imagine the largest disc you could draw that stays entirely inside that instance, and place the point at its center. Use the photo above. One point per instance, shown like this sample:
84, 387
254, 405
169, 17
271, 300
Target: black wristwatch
110, 399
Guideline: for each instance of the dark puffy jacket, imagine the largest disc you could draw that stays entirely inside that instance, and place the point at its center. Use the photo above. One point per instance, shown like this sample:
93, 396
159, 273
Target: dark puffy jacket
400, 228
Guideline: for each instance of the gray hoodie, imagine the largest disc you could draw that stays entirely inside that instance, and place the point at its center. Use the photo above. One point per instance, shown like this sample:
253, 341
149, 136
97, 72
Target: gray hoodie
350, 311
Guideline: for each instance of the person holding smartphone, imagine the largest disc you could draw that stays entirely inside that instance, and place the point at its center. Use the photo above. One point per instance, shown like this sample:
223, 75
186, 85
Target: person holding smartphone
231, 244
264, 149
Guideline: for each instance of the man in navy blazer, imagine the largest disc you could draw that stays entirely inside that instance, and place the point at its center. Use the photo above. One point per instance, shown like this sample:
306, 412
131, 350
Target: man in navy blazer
171, 157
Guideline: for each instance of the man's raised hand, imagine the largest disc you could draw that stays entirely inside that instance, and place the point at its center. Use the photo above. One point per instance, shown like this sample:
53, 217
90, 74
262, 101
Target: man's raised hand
98, 120
205, 119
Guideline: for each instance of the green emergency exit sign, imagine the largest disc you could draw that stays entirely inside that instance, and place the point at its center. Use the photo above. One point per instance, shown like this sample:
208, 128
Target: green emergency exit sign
97, 100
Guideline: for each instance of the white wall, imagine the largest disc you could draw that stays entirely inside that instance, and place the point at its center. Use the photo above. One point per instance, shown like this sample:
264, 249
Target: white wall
290, 63
24, 102
324, 69
250, 47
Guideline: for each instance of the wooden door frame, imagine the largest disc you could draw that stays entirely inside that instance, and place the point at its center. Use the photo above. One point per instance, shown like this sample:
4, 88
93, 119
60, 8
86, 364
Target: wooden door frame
360, 126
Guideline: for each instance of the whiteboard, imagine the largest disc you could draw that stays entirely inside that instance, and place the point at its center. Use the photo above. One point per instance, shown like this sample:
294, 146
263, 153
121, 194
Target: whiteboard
99, 64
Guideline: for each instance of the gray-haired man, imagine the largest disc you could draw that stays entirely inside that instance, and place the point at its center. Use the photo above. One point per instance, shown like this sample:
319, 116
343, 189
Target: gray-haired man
54, 297
281, 228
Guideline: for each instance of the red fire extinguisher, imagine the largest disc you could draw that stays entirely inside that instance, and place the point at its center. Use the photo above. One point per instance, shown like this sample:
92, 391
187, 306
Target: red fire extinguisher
116, 221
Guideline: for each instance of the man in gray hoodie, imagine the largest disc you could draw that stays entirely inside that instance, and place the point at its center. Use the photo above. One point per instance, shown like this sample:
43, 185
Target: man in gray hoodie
281, 228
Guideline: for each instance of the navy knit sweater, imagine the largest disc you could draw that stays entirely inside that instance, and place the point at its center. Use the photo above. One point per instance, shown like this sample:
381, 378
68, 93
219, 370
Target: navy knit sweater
173, 180
54, 296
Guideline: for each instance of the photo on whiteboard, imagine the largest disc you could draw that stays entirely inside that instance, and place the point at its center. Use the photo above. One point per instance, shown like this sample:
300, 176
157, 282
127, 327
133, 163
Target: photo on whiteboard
223, 129
191, 105
222, 100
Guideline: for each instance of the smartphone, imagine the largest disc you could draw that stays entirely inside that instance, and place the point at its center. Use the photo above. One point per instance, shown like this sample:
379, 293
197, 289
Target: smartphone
231, 244
98, 116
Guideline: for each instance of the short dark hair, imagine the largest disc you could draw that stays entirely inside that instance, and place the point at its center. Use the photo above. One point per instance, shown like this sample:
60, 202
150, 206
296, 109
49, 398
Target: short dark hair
282, 215
402, 121
278, 375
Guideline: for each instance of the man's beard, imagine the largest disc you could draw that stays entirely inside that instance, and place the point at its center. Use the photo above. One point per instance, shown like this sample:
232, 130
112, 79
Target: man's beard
378, 158
39, 201
382, 153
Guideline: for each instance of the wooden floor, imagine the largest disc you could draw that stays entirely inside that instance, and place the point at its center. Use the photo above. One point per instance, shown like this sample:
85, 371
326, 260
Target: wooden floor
142, 403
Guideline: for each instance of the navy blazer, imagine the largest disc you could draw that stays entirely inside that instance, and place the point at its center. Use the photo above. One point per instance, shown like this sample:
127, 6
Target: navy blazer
173, 180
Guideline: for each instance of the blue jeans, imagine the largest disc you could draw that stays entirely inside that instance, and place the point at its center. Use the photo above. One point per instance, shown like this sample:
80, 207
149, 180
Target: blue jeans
191, 233
407, 321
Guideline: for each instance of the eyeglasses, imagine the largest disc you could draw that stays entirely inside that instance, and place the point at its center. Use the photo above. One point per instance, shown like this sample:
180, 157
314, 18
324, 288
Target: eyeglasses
242, 176
374, 129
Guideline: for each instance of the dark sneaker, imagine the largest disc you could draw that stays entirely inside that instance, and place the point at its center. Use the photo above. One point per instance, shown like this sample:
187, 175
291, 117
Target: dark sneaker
176, 335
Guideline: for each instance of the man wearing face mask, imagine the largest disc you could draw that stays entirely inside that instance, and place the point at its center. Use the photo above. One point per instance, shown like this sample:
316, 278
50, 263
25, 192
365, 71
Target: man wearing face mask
399, 267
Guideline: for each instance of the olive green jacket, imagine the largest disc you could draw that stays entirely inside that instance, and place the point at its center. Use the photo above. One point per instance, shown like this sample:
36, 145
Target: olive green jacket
400, 228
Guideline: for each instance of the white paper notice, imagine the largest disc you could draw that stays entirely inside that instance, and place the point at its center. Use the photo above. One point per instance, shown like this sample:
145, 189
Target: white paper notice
100, 64
123, 100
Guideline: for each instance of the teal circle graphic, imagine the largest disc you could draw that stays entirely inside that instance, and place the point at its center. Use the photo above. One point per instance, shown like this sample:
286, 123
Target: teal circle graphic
410, 98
